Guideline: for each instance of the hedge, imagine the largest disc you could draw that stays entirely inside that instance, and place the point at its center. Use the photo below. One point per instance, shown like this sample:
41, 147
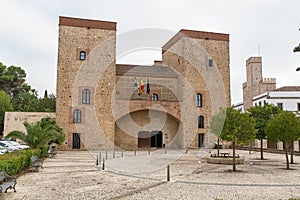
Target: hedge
15, 162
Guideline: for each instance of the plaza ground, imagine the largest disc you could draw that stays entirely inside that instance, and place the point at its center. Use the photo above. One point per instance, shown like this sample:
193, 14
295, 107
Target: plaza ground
73, 175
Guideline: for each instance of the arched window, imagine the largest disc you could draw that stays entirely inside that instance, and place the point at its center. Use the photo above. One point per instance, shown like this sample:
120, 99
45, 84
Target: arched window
154, 97
201, 121
86, 96
77, 116
82, 55
198, 100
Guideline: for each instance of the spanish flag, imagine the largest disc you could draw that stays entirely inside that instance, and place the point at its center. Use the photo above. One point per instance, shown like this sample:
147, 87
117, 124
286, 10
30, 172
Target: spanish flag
142, 87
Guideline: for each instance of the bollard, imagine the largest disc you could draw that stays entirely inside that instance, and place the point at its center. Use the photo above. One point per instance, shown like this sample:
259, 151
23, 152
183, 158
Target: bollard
114, 154
103, 165
168, 173
135, 152
100, 158
97, 161
165, 151
148, 151
105, 154
122, 154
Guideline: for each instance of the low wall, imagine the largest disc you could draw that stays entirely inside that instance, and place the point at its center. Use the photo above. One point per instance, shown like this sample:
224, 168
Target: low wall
224, 160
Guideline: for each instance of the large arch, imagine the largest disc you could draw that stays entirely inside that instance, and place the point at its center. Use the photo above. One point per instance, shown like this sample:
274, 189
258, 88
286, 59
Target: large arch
140, 122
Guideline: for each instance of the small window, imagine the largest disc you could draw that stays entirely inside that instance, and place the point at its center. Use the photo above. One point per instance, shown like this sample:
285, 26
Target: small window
210, 63
298, 106
86, 96
199, 100
280, 106
77, 116
201, 121
82, 55
154, 97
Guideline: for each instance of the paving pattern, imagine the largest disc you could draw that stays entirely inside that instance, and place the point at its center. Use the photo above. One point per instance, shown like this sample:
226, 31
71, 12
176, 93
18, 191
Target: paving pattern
143, 175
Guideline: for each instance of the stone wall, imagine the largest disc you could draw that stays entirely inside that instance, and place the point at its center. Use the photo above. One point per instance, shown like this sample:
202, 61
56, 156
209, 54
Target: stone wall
14, 121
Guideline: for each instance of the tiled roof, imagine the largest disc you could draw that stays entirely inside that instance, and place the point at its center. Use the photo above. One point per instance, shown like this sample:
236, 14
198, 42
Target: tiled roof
145, 70
288, 88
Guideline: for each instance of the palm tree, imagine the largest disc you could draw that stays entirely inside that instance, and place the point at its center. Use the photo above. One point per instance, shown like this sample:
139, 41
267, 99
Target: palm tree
26, 102
39, 134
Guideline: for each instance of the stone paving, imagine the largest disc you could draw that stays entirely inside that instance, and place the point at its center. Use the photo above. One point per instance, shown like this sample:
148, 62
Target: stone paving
73, 175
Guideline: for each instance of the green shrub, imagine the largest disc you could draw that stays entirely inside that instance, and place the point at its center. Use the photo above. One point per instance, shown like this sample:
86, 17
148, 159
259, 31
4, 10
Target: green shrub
16, 161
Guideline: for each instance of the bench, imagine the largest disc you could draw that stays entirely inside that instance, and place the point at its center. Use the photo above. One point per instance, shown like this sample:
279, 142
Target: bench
8, 182
36, 163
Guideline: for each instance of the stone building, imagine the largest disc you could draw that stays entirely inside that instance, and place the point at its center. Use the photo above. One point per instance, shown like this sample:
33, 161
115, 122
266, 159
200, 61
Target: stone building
255, 83
100, 104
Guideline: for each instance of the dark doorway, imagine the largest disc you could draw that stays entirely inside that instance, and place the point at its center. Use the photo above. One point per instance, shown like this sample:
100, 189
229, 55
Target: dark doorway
156, 139
200, 140
76, 141
144, 139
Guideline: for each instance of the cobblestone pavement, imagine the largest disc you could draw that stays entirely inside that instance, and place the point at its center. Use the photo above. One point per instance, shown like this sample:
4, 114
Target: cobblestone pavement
73, 175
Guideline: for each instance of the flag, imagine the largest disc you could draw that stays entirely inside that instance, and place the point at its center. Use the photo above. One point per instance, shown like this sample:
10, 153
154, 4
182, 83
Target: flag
142, 87
148, 87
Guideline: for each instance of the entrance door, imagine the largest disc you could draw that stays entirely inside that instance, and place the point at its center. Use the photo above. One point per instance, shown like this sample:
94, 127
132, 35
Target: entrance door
144, 139
156, 139
200, 140
76, 141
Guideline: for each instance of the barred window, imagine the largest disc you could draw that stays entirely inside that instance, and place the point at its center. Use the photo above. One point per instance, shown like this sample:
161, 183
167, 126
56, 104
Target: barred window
77, 116
86, 96
201, 121
82, 55
154, 97
199, 100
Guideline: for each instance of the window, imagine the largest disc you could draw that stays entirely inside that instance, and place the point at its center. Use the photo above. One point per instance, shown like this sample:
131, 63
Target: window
201, 121
154, 97
77, 116
280, 105
298, 106
199, 100
82, 55
86, 96
210, 63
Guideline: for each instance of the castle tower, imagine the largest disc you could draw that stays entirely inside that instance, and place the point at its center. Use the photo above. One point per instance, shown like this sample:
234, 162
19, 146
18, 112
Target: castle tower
255, 83
86, 71
202, 61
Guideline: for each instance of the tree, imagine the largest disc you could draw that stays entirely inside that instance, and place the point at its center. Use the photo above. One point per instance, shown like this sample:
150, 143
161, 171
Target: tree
48, 103
26, 102
262, 115
5, 105
238, 129
12, 80
39, 134
283, 127
216, 125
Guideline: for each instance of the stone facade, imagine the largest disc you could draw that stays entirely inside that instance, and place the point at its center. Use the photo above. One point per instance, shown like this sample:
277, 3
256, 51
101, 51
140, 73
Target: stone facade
192, 80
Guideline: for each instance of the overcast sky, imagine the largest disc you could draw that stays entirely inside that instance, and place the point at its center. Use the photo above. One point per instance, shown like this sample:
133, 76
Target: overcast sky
29, 32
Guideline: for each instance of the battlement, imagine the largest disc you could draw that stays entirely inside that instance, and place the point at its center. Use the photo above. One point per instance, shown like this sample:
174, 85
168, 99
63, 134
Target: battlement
269, 80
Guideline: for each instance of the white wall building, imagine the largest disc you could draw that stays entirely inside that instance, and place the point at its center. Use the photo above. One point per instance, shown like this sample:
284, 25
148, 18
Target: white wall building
286, 98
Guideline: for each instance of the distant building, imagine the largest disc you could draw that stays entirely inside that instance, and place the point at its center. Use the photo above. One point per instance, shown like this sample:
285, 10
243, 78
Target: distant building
258, 91
286, 98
